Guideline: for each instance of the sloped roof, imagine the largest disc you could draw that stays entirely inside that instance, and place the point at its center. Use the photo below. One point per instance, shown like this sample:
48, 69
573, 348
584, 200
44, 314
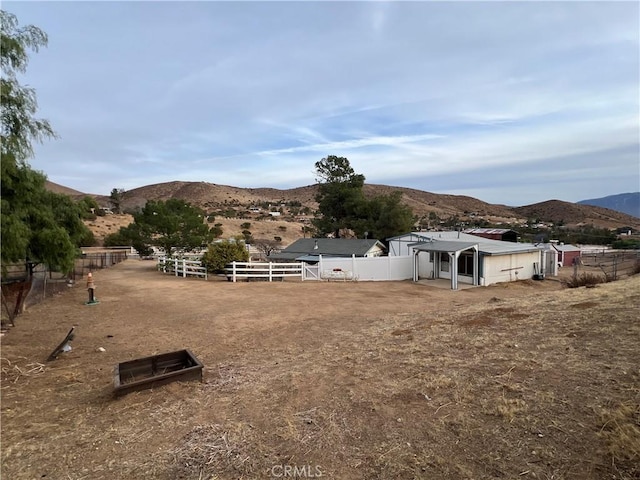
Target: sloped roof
486, 246
488, 231
337, 247
444, 246
565, 247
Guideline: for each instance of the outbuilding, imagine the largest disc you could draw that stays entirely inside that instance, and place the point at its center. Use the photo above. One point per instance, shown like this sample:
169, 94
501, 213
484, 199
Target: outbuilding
466, 258
567, 254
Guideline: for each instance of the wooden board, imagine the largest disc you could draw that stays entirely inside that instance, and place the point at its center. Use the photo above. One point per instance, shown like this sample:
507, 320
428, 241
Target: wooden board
60, 348
156, 370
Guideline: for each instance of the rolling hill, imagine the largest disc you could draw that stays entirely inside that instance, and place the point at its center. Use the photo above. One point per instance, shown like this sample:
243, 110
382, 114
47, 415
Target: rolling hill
213, 198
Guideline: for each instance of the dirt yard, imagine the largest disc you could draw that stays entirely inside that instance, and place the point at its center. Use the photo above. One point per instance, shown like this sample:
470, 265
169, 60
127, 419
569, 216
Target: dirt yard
332, 380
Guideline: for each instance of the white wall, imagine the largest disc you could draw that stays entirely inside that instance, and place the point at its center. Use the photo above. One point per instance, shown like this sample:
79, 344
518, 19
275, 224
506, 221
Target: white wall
371, 268
503, 268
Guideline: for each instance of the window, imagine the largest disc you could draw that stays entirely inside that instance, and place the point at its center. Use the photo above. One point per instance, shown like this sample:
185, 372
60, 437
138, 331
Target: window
465, 264
444, 262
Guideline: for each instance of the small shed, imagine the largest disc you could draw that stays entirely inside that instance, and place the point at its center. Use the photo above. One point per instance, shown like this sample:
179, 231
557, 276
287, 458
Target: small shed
567, 254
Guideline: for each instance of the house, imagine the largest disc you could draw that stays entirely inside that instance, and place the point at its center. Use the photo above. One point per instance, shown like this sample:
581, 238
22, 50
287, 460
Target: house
309, 249
465, 258
503, 234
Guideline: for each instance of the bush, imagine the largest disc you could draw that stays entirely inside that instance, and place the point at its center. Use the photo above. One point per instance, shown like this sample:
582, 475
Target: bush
219, 254
584, 280
626, 244
216, 231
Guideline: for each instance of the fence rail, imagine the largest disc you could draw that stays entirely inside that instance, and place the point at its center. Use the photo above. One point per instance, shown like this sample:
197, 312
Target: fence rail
612, 263
264, 270
182, 267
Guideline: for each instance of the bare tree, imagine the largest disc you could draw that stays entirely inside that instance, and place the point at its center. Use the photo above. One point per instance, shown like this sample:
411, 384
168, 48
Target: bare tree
266, 246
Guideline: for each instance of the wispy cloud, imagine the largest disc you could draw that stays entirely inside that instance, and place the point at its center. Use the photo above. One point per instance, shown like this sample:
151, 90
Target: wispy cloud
434, 95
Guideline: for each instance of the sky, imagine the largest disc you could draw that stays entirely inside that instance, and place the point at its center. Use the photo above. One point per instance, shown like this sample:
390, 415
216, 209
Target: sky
508, 102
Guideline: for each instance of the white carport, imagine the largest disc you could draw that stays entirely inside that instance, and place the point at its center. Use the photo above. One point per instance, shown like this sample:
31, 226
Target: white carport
442, 268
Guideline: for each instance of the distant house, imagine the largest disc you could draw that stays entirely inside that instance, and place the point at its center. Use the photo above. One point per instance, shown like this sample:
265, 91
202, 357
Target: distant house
503, 234
461, 257
309, 249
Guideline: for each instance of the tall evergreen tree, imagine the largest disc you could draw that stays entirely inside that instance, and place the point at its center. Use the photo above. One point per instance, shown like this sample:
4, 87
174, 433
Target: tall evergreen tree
343, 206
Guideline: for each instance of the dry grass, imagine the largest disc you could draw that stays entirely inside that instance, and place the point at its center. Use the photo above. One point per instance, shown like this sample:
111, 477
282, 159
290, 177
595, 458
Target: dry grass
520, 381
621, 432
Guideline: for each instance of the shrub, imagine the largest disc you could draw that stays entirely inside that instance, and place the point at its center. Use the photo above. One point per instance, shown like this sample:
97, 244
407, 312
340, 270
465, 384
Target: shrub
584, 280
219, 254
246, 226
216, 231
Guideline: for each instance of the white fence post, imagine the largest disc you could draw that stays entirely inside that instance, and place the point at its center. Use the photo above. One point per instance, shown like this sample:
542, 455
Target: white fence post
270, 271
353, 265
184, 267
175, 266
234, 271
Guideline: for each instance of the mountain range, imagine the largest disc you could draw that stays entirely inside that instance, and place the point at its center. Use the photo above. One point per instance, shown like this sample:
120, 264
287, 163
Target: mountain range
628, 203
211, 197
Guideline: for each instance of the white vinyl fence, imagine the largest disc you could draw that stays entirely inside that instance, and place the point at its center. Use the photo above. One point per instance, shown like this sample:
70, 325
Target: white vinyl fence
364, 269
263, 270
332, 268
182, 267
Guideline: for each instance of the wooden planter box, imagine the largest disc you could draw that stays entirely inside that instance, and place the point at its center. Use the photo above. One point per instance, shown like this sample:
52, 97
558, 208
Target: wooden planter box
150, 372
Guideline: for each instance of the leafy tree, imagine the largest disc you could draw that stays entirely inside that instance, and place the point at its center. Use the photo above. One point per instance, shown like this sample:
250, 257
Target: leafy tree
88, 207
387, 216
132, 236
19, 105
220, 254
115, 198
343, 206
38, 226
174, 225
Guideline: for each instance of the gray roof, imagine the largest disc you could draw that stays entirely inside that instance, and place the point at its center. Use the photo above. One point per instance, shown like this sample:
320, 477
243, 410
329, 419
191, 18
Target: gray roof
444, 246
486, 246
565, 247
335, 247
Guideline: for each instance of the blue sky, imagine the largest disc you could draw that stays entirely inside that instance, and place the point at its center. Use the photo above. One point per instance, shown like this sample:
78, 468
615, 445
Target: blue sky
508, 102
